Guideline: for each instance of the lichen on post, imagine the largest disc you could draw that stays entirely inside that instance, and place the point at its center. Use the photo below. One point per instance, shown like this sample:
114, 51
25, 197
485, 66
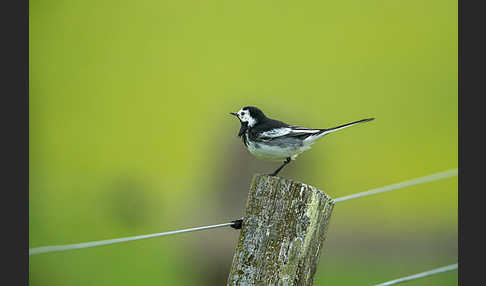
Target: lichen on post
282, 235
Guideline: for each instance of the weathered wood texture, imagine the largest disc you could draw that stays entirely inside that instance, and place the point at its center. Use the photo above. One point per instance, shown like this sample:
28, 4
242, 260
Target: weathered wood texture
282, 234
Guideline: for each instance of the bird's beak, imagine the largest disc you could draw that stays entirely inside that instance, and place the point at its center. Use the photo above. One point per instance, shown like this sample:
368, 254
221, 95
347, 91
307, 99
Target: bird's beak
244, 125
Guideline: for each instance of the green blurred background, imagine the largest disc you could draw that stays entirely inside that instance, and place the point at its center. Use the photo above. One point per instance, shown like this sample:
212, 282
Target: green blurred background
130, 132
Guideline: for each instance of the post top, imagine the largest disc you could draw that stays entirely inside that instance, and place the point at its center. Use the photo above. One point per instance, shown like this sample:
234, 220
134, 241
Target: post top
276, 179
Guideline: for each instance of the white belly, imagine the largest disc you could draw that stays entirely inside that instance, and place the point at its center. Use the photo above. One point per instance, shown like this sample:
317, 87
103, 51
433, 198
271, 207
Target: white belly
275, 153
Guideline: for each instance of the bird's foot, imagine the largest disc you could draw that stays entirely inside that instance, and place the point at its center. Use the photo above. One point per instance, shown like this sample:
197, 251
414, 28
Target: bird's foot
280, 168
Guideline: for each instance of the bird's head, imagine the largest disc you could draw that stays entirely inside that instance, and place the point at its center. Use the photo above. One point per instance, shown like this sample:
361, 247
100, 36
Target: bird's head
249, 116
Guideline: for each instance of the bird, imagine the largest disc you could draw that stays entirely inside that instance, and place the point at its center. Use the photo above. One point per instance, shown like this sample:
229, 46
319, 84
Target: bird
274, 140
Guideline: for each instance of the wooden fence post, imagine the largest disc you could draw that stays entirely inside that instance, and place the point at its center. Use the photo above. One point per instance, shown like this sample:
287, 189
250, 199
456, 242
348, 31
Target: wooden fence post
282, 233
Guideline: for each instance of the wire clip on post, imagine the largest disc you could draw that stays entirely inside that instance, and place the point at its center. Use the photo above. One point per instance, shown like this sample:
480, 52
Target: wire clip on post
237, 223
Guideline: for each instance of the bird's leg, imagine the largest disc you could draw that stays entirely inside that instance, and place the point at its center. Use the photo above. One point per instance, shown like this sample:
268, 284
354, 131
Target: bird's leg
280, 168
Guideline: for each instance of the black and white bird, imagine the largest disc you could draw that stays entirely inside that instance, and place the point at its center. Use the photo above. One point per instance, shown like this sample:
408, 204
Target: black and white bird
270, 139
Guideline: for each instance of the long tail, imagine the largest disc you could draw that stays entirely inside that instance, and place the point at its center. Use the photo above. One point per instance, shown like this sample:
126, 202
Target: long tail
323, 132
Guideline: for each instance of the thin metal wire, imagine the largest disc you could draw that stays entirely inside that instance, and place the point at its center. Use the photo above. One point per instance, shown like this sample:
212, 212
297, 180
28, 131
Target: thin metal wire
417, 181
55, 248
420, 275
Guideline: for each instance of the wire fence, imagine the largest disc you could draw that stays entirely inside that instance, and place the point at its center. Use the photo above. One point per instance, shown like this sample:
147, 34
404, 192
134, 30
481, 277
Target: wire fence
420, 275
401, 185
237, 224
55, 248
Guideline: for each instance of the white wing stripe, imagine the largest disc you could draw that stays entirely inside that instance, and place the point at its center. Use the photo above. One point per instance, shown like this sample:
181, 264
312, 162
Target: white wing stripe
276, 132
300, 131
287, 131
